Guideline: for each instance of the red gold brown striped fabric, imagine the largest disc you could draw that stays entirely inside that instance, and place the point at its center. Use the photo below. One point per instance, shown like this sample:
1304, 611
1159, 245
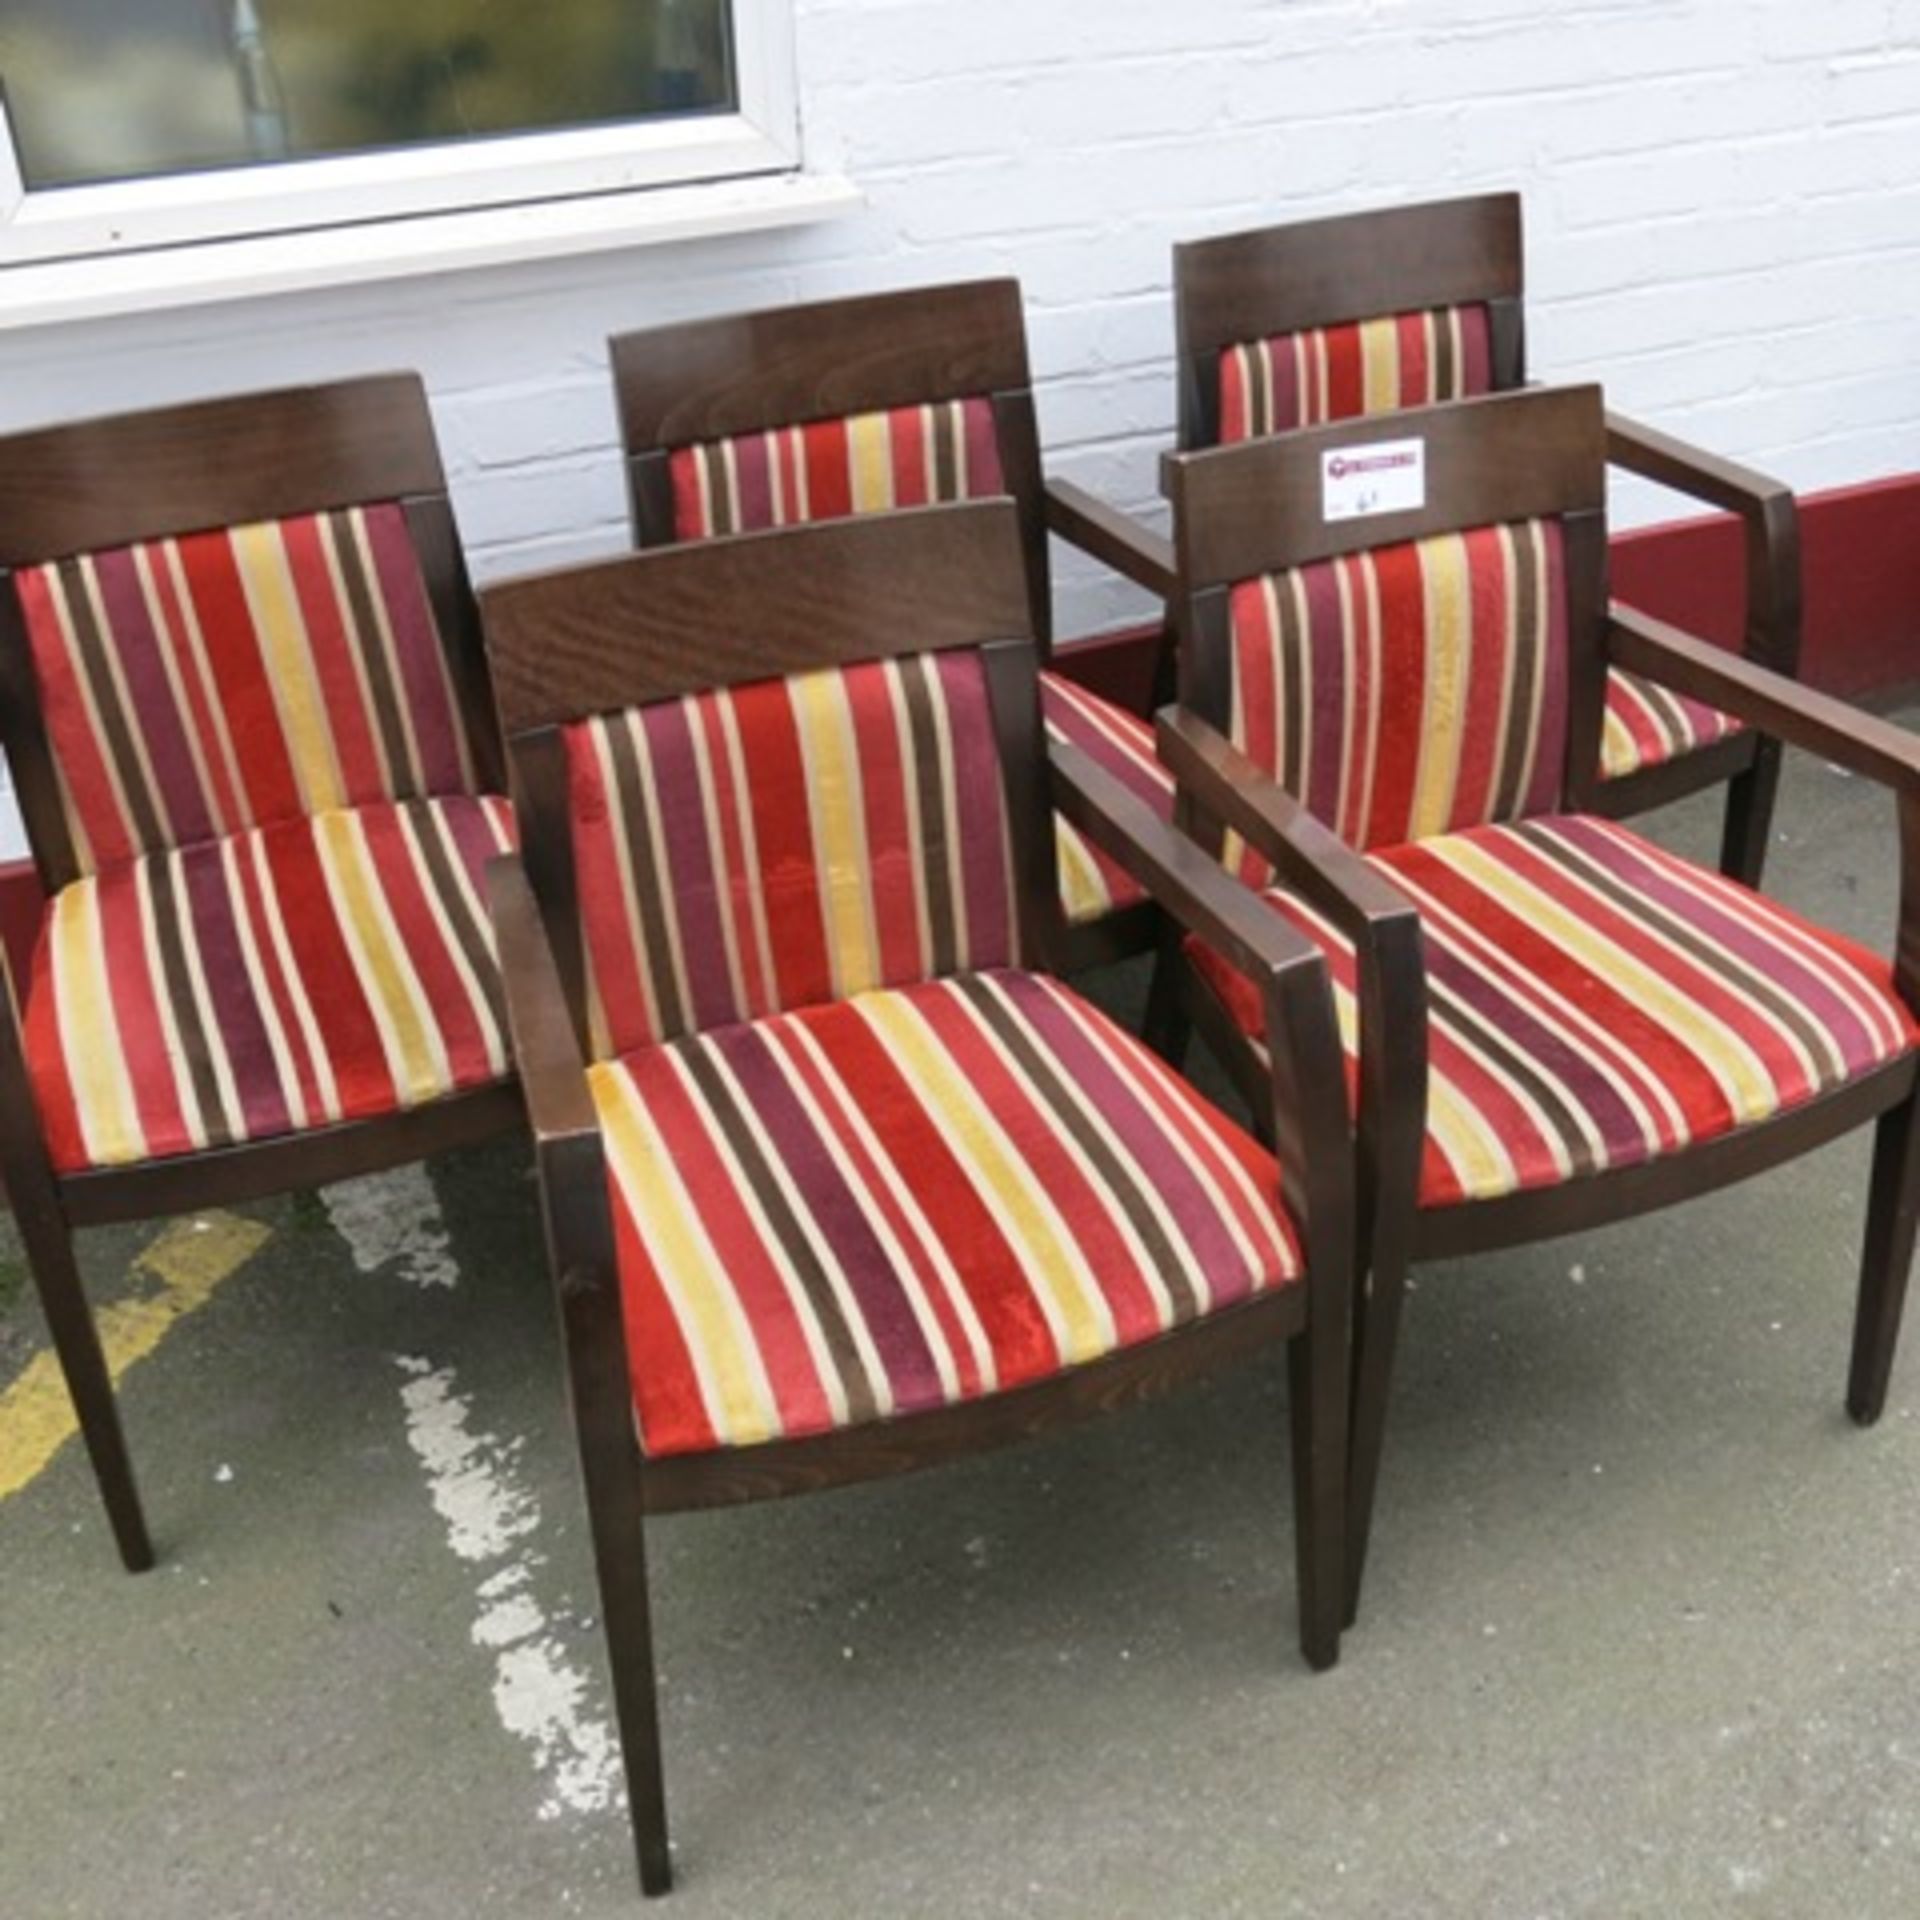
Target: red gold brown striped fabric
1647, 725
827, 469
1322, 374
233, 679
280, 978
912, 1198
1595, 1002
1411, 689
1091, 885
766, 847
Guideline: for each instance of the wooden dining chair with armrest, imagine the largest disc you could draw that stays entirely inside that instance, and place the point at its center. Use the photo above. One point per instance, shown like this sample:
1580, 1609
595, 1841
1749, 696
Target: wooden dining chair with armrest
246, 711
839, 1178
818, 411
1323, 320
1551, 1022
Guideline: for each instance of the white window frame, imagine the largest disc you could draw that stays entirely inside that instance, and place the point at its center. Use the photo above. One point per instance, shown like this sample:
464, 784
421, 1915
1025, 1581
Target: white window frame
190, 210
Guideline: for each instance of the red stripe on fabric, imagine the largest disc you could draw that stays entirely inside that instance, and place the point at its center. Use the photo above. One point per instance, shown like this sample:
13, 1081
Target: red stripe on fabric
335, 655
341, 1011
610, 932
755, 988
439, 733
1415, 387
829, 459
47, 1059
80, 751
907, 455
202, 717
1403, 627
716, 1191
977, 804
1236, 407
690, 518
984, 475
133, 975
874, 700
282, 992
756, 505
1346, 390
1476, 352
1486, 669
211, 569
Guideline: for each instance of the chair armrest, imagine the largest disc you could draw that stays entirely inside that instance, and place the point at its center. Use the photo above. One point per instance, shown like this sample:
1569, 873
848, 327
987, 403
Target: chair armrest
1308, 856
546, 1050
1309, 1116
1115, 539
1769, 701
1766, 506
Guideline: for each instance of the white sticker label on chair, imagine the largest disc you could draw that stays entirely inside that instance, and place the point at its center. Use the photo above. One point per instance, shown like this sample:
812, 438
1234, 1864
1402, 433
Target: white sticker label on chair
1388, 477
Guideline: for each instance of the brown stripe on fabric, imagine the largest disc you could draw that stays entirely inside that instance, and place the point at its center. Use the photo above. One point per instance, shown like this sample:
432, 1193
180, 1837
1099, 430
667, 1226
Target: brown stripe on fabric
384, 693
1445, 364
1058, 1098
1290, 683
426, 828
939, 852
1507, 1059
1258, 364
1738, 975
1531, 635
717, 1093
1667, 709
943, 432
714, 466
169, 913
115, 722
658, 935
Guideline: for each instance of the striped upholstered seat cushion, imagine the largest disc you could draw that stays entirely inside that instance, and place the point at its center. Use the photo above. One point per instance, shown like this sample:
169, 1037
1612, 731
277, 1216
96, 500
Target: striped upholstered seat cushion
1595, 1002
827, 469
196, 687
1648, 725
277, 979
913, 1198
1323, 374
1409, 689
1091, 885
789, 841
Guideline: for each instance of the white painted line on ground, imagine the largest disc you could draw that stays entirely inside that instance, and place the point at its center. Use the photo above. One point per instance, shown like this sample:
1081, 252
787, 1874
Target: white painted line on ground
393, 1222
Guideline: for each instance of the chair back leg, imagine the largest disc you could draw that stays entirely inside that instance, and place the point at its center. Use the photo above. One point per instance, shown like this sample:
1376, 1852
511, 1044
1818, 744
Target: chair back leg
1317, 1403
1749, 817
1893, 1210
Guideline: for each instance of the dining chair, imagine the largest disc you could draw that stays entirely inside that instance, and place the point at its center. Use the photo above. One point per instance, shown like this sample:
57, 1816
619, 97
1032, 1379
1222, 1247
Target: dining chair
1550, 1021
246, 711
831, 408
839, 1177
1323, 320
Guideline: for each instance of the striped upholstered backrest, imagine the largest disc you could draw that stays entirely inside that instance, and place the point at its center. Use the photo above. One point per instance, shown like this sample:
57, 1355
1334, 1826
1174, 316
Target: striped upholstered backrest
827, 469
1409, 690
1322, 374
194, 687
787, 843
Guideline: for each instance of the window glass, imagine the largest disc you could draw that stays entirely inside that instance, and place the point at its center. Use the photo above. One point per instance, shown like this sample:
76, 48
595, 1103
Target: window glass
123, 89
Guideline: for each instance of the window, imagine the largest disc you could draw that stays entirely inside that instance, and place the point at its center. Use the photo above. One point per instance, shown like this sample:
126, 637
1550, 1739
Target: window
132, 124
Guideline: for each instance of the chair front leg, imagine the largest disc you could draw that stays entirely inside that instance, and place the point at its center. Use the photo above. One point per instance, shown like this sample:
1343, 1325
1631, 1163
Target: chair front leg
1893, 1210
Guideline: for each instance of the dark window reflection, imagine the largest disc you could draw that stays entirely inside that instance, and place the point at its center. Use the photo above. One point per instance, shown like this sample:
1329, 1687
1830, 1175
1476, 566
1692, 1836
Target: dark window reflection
117, 89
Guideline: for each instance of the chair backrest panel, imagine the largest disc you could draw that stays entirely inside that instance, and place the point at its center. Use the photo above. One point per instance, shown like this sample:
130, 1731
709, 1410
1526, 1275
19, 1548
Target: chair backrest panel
229, 613
786, 843
838, 407
1330, 319
769, 770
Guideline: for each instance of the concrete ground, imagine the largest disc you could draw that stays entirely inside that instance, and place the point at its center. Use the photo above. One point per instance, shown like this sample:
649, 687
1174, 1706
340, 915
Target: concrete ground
1641, 1636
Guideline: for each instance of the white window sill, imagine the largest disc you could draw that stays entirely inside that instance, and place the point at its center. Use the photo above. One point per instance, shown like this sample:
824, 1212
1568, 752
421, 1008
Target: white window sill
48, 293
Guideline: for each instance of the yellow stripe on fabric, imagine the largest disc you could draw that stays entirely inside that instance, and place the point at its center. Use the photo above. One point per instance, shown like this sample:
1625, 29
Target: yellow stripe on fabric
89, 1033
287, 650
1723, 1053
704, 1300
1062, 1287
870, 461
190, 1260
839, 829
1083, 888
411, 1042
1447, 588
1379, 366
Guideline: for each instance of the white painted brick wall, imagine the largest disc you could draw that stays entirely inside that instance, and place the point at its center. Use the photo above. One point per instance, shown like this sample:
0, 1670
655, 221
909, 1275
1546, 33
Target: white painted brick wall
1723, 220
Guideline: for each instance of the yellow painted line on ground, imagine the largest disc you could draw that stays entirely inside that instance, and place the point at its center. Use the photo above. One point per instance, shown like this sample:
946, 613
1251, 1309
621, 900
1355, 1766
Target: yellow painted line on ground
189, 1260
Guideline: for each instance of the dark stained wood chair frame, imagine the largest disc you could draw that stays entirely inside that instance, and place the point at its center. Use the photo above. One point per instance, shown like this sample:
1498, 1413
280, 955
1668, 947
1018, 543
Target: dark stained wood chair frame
1255, 509
752, 606
704, 380
1321, 273
106, 483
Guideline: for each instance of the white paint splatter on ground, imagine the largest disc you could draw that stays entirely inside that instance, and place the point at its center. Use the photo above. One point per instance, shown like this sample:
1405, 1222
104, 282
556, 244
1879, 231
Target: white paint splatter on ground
392, 1222
390, 1218
489, 1511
